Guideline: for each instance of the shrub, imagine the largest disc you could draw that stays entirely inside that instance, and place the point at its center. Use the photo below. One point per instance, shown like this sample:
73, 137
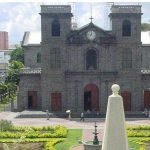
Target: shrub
6, 125
141, 127
50, 144
29, 132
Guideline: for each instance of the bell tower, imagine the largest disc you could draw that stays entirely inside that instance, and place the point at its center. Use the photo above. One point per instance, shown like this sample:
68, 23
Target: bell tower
55, 21
126, 22
55, 25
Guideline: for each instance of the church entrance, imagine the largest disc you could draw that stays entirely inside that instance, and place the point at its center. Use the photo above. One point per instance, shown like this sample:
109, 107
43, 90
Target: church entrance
32, 99
147, 99
91, 98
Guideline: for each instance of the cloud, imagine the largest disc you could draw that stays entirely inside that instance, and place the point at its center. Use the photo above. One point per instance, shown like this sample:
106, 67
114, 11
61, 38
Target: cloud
20, 17
146, 12
99, 13
16, 18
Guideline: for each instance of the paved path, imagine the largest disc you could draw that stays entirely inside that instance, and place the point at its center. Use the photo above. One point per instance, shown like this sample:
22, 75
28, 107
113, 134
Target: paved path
87, 125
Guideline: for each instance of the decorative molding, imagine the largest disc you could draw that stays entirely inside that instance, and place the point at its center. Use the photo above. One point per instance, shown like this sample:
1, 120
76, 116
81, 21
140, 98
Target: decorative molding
30, 71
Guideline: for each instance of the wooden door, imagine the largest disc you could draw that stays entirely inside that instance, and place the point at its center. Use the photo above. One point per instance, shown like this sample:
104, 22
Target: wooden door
56, 101
146, 99
126, 100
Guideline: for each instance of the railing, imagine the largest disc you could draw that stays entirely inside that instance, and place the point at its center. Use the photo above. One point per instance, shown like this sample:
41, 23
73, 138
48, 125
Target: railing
30, 71
126, 9
56, 9
145, 71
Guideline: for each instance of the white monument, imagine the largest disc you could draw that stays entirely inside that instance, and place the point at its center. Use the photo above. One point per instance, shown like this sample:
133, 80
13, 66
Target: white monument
115, 137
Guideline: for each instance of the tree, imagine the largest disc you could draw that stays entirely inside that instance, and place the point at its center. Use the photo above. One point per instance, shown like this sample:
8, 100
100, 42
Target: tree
3, 88
17, 55
145, 27
13, 72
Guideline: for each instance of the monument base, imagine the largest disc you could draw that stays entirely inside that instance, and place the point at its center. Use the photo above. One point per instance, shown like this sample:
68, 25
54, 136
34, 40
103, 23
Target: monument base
89, 145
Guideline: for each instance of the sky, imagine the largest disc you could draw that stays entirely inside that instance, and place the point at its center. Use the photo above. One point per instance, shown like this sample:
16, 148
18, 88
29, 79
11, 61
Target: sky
19, 17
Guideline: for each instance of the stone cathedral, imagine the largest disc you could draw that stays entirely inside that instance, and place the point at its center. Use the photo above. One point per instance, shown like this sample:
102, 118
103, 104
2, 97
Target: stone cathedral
74, 69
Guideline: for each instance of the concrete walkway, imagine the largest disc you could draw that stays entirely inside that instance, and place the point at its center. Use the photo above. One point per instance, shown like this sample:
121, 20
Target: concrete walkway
87, 125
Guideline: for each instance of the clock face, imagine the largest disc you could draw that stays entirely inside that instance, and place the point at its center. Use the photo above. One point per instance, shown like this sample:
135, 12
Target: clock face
91, 35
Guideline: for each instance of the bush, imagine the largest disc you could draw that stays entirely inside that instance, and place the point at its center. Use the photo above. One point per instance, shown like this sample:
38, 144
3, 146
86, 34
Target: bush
6, 125
30, 132
50, 145
141, 127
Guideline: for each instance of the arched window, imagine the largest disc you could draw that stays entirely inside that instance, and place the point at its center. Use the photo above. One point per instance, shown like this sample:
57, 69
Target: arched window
38, 59
91, 60
55, 59
126, 28
127, 59
55, 27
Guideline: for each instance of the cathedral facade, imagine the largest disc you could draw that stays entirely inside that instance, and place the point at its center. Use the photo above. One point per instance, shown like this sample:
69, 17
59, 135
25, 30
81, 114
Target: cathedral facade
75, 68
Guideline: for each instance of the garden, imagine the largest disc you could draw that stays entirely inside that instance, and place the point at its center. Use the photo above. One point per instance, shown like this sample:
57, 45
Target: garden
36, 138
59, 137
139, 137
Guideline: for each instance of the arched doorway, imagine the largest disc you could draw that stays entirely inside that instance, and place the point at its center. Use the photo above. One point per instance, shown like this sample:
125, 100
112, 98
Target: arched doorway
91, 97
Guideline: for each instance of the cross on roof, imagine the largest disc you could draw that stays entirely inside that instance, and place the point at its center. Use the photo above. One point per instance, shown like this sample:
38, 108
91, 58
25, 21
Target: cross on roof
91, 18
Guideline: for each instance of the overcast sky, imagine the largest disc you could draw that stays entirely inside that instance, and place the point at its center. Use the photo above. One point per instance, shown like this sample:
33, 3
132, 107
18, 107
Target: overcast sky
16, 18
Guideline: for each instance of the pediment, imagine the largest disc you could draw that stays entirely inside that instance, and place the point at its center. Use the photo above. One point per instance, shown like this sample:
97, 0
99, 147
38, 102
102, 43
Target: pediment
90, 33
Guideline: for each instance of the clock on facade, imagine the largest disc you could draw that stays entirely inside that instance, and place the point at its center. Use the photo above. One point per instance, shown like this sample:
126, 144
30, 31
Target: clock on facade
91, 35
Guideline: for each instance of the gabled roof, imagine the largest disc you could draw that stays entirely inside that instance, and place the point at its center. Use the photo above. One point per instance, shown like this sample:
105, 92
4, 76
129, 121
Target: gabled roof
90, 26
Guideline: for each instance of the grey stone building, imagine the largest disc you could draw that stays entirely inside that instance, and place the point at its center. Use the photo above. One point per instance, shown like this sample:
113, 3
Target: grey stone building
74, 69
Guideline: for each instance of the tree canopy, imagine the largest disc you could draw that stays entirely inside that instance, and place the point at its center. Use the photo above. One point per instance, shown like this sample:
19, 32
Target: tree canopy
13, 72
145, 27
17, 55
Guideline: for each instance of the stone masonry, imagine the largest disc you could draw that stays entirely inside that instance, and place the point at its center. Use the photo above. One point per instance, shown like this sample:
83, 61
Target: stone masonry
77, 68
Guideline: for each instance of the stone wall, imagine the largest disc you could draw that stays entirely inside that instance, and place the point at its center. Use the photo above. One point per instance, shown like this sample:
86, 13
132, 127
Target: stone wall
30, 56
29, 83
71, 79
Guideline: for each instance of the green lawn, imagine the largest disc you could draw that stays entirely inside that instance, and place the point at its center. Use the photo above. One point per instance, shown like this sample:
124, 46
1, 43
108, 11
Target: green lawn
72, 139
133, 143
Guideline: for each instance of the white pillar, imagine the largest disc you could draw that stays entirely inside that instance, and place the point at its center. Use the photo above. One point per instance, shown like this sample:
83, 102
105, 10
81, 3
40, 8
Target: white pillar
115, 137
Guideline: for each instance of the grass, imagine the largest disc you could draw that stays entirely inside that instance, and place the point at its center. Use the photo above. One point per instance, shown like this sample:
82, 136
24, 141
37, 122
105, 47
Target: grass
72, 139
134, 143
